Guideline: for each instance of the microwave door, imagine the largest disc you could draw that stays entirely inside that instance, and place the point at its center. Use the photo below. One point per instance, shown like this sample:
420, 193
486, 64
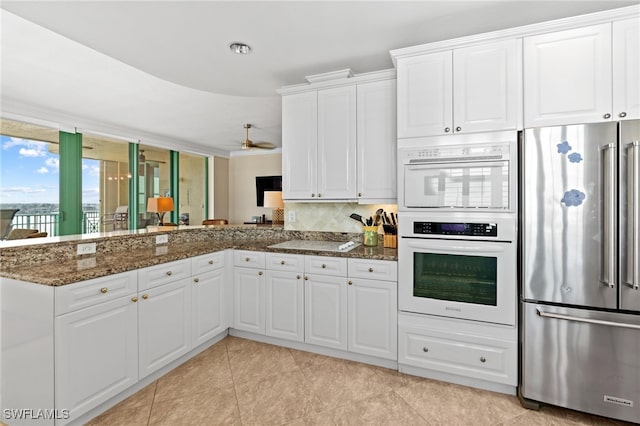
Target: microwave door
457, 185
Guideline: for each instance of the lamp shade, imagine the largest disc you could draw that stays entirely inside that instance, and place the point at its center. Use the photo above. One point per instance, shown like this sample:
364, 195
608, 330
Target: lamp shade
273, 199
160, 204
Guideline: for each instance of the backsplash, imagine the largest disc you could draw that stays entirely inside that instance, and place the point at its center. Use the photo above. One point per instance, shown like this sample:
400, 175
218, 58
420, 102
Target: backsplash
331, 217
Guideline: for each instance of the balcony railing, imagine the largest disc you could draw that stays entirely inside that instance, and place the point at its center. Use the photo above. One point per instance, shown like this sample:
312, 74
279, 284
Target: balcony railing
49, 222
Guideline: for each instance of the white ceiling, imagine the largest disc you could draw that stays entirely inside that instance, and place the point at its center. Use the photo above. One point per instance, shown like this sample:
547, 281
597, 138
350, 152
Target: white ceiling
162, 72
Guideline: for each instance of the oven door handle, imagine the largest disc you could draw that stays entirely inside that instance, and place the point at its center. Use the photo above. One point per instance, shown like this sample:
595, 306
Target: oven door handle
453, 247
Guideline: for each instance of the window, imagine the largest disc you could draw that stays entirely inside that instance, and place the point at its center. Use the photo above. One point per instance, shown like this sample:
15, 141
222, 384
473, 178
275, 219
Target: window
192, 189
153, 181
30, 175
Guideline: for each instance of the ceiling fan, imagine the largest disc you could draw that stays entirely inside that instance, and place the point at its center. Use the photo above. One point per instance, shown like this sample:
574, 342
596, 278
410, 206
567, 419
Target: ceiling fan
248, 143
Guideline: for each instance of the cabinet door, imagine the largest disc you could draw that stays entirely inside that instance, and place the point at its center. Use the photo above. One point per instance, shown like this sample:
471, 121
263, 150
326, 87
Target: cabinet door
376, 148
285, 305
626, 69
567, 77
248, 290
207, 306
96, 354
373, 318
337, 143
164, 325
485, 88
325, 314
299, 145
425, 95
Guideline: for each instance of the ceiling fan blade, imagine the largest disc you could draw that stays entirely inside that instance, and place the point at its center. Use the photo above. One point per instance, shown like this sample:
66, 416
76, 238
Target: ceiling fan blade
263, 145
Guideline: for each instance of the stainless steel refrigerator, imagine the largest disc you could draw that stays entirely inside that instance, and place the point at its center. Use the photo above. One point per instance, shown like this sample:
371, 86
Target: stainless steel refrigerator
580, 275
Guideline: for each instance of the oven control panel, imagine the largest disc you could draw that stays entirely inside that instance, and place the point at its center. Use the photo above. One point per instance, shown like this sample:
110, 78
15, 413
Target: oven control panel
449, 228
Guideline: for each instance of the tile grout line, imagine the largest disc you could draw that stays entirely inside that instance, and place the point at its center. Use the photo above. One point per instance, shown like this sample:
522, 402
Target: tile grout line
233, 379
153, 401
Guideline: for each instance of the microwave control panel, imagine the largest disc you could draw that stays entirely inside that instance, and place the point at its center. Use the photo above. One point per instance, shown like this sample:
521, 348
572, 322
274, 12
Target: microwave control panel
448, 228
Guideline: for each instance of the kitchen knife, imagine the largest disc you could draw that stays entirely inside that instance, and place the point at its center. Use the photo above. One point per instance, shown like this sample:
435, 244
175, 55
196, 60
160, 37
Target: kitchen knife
386, 218
393, 219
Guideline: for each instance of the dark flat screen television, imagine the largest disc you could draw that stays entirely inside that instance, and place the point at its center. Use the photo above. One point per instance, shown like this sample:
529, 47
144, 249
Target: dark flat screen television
267, 183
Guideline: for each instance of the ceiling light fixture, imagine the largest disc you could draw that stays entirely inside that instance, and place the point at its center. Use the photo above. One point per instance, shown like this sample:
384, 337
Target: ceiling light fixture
240, 48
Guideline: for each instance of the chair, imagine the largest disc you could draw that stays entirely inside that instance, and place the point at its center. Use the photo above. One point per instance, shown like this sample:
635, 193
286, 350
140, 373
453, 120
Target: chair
215, 222
6, 221
118, 219
21, 233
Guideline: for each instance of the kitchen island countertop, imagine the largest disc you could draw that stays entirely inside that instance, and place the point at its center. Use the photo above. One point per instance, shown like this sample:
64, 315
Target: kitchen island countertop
80, 268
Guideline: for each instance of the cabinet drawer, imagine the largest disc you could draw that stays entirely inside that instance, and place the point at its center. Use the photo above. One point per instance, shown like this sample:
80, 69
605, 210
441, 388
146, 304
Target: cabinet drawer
249, 259
325, 265
207, 262
467, 355
386, 270
80, 295
285, 262
154, 276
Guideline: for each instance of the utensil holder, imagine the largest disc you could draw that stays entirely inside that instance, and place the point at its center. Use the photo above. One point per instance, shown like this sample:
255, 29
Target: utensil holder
390, 241
370, 237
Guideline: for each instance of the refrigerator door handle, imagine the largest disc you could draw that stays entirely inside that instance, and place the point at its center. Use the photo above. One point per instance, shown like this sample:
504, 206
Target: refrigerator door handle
553, 315
609, 214
633, 213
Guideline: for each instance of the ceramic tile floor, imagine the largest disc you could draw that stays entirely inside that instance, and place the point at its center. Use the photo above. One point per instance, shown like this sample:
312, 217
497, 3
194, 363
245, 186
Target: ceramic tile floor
242, 382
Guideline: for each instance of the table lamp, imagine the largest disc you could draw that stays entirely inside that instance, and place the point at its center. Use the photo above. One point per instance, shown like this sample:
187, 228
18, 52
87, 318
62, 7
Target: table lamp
273, 199
160, 205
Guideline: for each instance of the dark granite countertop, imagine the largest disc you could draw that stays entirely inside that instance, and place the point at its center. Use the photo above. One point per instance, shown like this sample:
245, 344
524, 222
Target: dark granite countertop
80, 268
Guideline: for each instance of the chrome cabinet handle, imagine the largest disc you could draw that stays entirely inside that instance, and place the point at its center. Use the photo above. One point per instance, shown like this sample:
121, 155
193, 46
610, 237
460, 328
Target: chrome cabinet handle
609, 214
313, 195
324, 266
633, 216
260, 273
359, 194
622, 114
196, 280
211, 262
483, 359
319, 195
169, 273
306, 278
246, 259
425, 349
607, 116
282, 262
297, 277
447, 129
350, 282
553, 315
370, 269
458, 129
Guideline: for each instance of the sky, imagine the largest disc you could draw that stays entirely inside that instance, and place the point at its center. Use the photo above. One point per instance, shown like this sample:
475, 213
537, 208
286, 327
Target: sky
29, 173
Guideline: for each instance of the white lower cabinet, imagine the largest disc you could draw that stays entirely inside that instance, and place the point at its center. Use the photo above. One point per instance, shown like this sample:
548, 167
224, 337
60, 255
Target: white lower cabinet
164, 325
325, 314
208, 313
248, 289
284, 305
480, 351
373, 318
96, 354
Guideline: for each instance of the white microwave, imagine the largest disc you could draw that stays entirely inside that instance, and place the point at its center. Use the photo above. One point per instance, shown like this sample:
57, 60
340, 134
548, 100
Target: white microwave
476, 173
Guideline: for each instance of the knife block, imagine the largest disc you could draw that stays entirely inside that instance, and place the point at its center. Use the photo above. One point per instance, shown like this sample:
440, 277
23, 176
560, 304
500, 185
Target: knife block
390, 241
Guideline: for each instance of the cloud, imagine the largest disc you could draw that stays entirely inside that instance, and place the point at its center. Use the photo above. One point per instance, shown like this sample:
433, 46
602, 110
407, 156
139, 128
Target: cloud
52, 162
42, 170
22, 189
31, 152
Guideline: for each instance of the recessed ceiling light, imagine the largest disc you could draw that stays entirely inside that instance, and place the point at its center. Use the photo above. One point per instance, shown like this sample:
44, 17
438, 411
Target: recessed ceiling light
240, 48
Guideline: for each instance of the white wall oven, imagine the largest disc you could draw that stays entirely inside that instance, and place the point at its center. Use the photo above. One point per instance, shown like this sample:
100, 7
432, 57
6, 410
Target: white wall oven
456, 266
463, 173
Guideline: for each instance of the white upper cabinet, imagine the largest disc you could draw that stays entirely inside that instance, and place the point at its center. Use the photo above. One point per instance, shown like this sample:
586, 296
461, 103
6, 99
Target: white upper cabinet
376, 137
425, 95
339, 139
337, 143
299, 145
567, 76
469, 89
485, 87
626, 69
